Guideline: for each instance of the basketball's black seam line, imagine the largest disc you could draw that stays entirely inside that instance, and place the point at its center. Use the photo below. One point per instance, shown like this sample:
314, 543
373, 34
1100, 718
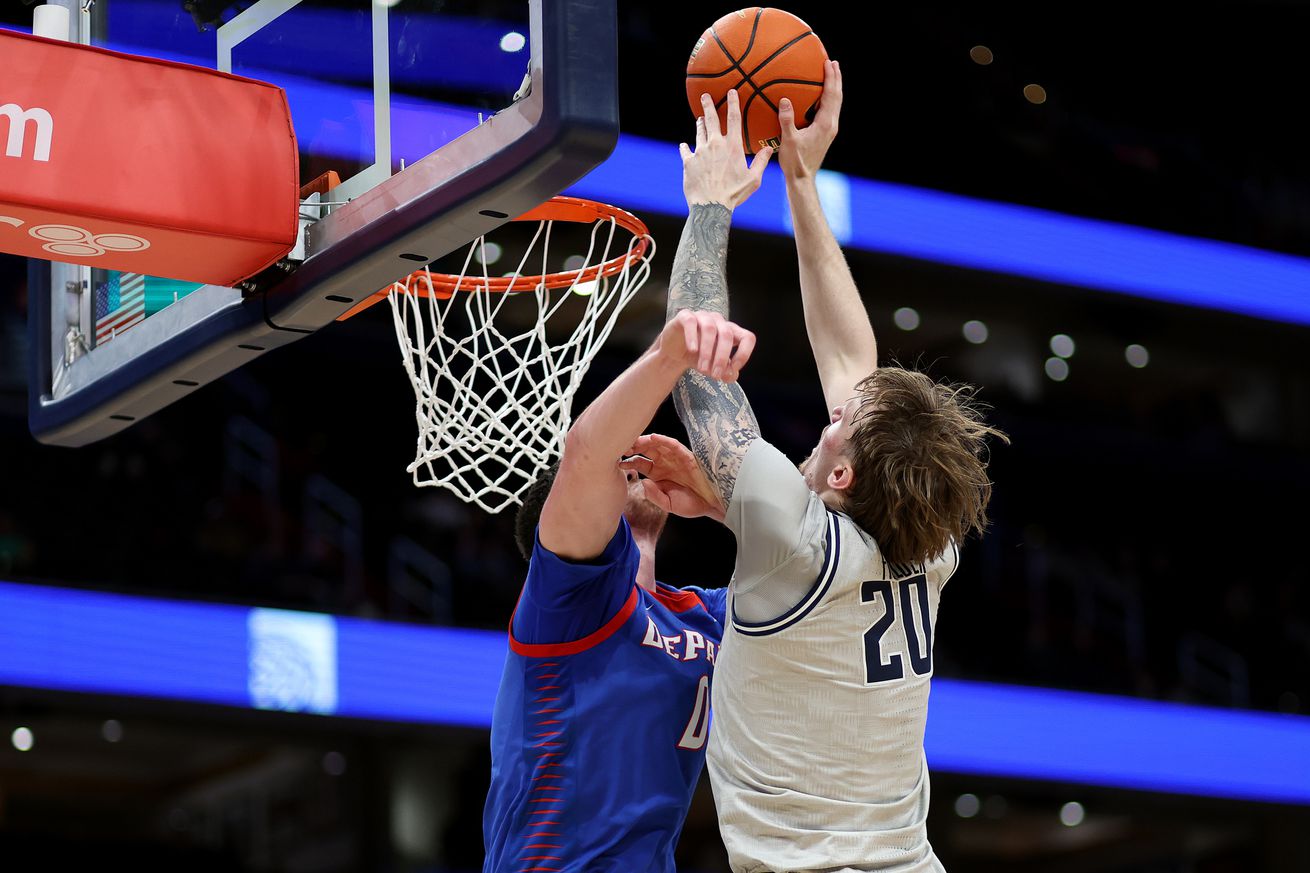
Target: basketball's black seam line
747, 77
782, 49
736, 65
745, 110
772, 82
750, 43
736, 62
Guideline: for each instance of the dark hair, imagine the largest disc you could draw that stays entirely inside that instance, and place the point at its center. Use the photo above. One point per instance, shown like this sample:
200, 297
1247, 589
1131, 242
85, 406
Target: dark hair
920, 464
529, 514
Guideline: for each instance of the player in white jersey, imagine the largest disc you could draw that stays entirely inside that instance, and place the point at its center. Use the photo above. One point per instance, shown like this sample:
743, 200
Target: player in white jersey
821, 693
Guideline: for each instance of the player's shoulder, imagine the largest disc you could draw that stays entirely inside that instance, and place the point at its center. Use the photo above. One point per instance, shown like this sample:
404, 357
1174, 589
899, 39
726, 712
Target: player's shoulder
943, 567
621, 549
946, 564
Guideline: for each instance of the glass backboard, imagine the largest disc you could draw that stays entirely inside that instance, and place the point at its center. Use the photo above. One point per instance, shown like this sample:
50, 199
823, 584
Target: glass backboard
442, 119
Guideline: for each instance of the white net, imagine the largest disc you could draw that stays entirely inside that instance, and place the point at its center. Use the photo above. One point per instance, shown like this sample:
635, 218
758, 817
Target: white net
494, 373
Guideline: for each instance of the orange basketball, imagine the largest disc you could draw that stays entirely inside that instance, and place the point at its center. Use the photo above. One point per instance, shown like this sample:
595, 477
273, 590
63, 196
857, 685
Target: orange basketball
766, 54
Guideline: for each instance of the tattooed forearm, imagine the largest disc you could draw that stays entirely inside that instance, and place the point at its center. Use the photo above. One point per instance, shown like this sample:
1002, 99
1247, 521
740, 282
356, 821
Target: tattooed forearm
720, 427
719, 421
698, 280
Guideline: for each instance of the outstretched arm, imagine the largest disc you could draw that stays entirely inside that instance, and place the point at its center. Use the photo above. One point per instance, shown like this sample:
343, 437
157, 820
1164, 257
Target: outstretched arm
719, 421
841, 336
590, 490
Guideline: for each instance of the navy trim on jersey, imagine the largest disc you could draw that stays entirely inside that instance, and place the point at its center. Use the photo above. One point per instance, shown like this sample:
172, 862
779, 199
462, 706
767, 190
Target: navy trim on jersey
811, 598
955, 548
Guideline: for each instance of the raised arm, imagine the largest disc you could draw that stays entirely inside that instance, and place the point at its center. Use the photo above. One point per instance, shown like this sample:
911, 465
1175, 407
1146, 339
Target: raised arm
841, 336
716, 179
590, 490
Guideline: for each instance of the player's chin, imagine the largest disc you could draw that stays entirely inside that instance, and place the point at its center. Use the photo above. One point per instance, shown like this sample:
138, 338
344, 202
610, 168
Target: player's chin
642, 514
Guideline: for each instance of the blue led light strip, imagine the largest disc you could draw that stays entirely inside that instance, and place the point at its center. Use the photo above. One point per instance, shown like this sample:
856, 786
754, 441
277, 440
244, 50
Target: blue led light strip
646, 176
114, 644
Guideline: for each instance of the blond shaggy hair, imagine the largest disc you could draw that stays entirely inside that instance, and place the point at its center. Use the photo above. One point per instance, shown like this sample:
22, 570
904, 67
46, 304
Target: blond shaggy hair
920, 464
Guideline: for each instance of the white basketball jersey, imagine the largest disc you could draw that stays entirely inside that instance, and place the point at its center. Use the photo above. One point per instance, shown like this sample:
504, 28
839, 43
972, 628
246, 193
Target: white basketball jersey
816, 750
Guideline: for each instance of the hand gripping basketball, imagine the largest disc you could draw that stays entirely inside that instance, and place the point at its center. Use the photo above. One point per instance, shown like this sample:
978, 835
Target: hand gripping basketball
716, 172
802, 151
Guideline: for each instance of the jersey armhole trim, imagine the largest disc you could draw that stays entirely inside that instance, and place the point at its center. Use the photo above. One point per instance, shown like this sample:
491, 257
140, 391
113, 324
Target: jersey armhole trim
676, 599
595, 638
811, 599
955, 567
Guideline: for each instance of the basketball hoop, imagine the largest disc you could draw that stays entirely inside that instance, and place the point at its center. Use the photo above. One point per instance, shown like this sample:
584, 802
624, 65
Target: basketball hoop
493, 403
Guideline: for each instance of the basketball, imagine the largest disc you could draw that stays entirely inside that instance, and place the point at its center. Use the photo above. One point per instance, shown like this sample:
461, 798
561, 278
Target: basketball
766, 54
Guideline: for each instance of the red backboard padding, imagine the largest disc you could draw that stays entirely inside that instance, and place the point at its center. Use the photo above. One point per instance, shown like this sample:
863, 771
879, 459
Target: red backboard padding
142, 165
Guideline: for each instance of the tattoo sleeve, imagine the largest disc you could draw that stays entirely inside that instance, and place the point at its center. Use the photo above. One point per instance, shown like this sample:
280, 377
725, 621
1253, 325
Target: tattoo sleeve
720, 427
699, 280
719, 420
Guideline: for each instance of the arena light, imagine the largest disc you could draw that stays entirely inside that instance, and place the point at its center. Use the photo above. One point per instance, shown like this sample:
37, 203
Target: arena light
111, 644
906, 318
488, 253
22, 739
975, 332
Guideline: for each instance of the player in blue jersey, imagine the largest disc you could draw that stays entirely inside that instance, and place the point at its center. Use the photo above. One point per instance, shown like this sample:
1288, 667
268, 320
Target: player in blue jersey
599, 730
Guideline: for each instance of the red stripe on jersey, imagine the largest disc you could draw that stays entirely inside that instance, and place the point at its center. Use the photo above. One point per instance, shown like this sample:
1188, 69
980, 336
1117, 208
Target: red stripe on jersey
535, 650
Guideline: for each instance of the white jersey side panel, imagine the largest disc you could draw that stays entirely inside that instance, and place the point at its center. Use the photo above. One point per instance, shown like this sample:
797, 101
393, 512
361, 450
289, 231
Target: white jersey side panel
816, 752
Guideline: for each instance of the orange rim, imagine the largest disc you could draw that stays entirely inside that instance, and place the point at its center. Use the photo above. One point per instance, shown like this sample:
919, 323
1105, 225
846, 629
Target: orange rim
426, 283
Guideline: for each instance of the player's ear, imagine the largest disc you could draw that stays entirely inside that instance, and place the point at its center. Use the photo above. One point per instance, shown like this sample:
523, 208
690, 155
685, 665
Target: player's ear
842, 475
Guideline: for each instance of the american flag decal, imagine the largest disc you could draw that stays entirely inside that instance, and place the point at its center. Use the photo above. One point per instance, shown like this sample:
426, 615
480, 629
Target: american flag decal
120, 304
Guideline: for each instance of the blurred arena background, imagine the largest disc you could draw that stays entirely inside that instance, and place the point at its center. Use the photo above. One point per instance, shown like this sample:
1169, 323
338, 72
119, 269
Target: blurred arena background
1147, 517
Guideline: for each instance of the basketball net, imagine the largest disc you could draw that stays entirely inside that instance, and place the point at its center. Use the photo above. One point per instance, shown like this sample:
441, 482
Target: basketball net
493, 402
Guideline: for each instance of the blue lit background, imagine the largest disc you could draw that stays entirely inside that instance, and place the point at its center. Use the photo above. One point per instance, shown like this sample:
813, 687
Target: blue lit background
120, 645
645, 175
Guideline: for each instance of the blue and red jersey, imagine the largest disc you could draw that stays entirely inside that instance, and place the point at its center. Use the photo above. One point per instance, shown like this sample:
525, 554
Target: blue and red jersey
601, 720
